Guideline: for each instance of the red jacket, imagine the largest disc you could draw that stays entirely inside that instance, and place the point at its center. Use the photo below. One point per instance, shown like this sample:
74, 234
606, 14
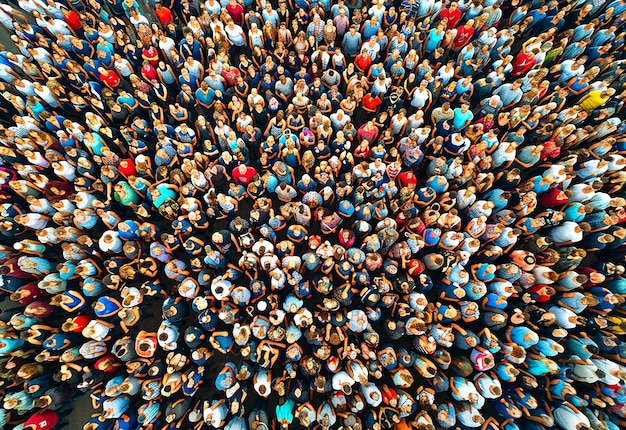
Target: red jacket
522, 64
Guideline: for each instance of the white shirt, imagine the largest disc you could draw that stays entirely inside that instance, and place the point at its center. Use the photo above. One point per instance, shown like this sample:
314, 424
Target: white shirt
31, 5
235, 35
58, 26
166, 45
42, 56
114, 245
6, 17
101, 330
124, 67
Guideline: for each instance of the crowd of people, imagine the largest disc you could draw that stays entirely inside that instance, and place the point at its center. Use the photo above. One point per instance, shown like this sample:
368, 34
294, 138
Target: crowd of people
328, 215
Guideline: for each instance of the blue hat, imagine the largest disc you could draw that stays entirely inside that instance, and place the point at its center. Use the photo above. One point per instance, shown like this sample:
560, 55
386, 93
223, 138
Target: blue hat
346, 208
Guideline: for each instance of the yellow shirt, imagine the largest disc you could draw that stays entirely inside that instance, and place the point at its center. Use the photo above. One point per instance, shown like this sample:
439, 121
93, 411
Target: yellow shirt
593, 101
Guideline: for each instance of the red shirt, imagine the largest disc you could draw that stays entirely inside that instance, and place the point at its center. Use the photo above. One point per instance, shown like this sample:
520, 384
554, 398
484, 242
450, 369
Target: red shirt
453, 17
230, 75
551, 198
111, 79
42, 420
463, 36
151, 54
164, 15
405, 181
149, 72
541, 297
245, 178
81, 322
370, 103
109, 363
34, 293
127, 169
362, 62
73, 20
236, 12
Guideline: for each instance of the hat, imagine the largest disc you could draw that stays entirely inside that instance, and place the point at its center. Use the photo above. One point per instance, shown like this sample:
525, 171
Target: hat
346, 208
315, 241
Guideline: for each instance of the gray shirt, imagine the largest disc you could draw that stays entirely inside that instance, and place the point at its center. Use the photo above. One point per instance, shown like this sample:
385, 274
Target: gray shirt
286, 89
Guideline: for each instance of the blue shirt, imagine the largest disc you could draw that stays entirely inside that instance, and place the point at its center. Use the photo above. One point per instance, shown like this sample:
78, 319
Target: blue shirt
461, 118
351, 43
433, 40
